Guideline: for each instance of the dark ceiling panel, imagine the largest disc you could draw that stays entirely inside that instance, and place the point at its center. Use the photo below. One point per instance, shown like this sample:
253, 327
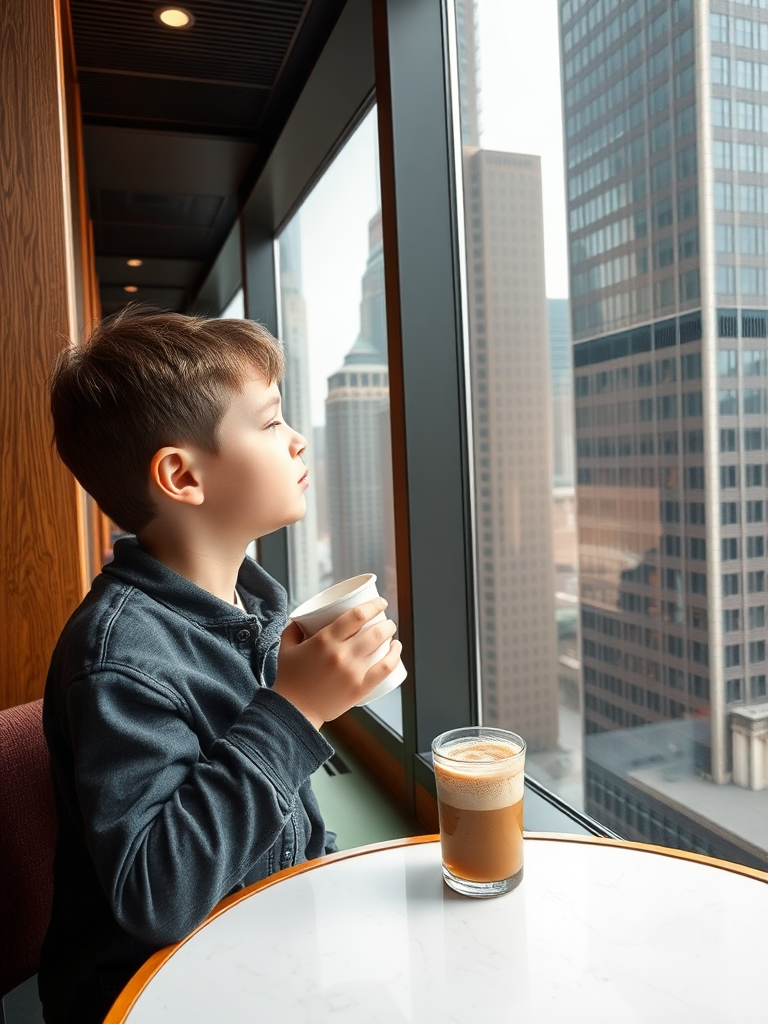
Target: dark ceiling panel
174, 125
144, 209
169, 103
113, 299
113, 270
172, 243
242, 41
153, 161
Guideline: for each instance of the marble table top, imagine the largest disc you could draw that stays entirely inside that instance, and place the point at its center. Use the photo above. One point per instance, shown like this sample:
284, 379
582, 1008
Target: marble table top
596, 932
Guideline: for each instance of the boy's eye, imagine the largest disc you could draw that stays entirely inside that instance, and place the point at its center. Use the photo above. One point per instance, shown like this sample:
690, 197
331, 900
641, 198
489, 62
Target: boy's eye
273, 424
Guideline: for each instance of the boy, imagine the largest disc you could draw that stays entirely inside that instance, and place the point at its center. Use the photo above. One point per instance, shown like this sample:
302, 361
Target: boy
181, 714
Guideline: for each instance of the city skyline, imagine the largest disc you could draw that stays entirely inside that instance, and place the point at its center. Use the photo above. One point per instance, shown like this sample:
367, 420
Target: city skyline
662, 188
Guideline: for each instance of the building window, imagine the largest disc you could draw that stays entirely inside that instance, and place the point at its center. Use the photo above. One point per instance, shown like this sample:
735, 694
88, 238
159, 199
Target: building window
732, 655
755, 547
731, 617
757, 617
733, 689
728, 513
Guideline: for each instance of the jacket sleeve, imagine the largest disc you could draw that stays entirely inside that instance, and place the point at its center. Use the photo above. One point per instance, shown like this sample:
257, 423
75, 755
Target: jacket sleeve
172, 831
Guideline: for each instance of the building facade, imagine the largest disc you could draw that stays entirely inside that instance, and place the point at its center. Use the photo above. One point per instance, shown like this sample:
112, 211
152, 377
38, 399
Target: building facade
667, 239
358, 482
511, 394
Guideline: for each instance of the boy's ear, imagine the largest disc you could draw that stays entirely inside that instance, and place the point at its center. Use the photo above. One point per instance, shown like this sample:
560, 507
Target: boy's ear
174, 472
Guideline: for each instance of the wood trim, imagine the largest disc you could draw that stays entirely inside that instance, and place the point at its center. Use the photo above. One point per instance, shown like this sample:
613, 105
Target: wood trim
127, 999
42, 540
426, 809
384, 766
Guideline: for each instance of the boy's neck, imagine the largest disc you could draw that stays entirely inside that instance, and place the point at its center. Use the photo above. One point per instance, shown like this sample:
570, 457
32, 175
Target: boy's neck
213, 567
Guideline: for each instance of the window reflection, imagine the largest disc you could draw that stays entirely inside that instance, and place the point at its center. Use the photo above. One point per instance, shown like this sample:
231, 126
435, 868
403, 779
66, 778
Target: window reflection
655, 714
336, 391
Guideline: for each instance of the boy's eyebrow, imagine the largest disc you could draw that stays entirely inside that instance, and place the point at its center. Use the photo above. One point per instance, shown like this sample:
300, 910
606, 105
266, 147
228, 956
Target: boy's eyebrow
270, 405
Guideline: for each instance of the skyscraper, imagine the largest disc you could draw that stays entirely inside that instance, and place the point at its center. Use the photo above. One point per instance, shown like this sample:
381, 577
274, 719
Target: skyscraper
562, 391
512, 405
356, 434
511, 395
305, 577
667, 236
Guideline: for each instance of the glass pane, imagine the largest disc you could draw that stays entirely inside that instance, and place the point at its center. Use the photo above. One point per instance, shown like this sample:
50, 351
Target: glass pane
641, 689
336, 390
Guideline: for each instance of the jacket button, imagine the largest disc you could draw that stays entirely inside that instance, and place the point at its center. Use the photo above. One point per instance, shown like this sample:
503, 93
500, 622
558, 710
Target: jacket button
244, 634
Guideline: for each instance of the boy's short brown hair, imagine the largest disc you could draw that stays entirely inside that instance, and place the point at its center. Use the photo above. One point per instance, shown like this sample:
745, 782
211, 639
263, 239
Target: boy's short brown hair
143, 380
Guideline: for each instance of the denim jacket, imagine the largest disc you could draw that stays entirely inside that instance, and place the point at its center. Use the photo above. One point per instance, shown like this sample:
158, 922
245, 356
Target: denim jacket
179, 775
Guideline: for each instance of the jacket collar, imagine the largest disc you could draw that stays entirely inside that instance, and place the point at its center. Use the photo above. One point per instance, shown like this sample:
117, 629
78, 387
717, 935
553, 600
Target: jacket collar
262, 596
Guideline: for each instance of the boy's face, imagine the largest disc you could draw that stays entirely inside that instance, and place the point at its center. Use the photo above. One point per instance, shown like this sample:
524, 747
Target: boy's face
256, 482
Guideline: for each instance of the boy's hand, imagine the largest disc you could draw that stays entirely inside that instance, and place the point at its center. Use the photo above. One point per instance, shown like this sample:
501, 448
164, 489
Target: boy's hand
328, 673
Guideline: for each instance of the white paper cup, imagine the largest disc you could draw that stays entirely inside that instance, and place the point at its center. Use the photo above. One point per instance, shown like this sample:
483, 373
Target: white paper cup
319, 611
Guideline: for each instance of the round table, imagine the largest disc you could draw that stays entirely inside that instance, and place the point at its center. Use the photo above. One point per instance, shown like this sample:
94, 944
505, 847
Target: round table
599, 931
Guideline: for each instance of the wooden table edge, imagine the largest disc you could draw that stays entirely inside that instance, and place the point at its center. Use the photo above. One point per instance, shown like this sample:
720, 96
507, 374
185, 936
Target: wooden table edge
127, 999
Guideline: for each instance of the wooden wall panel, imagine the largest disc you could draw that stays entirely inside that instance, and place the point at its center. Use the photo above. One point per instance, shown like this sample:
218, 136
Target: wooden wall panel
43, 571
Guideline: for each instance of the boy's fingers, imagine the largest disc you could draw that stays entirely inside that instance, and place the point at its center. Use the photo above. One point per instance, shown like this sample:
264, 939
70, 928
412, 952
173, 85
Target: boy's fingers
292, 635
369, 640
352, 621
384, 667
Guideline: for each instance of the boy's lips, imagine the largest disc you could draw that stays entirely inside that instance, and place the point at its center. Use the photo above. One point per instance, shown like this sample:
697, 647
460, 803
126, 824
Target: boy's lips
305, 478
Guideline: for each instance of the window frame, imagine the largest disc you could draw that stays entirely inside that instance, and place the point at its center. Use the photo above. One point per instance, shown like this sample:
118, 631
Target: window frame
401, 54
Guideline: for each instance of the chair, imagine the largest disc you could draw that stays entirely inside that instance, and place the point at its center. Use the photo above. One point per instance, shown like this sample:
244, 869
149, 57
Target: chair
27, 841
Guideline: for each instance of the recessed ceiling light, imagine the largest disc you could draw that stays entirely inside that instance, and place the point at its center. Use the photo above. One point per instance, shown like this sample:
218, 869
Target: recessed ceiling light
130, 288
134, 263
174, 17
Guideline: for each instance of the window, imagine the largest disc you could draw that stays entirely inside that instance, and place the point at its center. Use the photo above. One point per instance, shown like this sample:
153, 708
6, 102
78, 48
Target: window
728, 477
733, 690
727, 402
691, 366
635, 333
728, 439
728, 363
753, 439
757, 617
729, 513
753, 401
695, 514
753, 362
731, 620
672, 546
336, 389
754, 474
698, 548
757, 687
755, 547
694, 478
756, 651
754, 511
756, 582
732, 655
729, 549
730, 584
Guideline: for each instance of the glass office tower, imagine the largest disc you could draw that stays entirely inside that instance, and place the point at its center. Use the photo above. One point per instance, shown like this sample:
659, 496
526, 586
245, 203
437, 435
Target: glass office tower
667, 239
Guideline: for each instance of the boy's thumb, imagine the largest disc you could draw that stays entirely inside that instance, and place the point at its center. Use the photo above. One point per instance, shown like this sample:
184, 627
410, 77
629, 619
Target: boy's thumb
292, 635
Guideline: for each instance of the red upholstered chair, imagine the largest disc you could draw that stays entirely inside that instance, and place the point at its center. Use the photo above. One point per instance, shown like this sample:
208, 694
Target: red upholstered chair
27, 840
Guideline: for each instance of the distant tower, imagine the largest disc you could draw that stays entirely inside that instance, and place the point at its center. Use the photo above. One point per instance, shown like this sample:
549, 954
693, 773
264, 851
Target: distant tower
511, 395
304, 570
562, 391
469, 71
357, 430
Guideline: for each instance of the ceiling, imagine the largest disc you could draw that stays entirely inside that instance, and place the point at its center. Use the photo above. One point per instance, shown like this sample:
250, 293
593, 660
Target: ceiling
177, 124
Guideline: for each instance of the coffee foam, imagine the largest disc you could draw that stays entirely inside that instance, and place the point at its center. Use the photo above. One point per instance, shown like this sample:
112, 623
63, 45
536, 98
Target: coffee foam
489, 782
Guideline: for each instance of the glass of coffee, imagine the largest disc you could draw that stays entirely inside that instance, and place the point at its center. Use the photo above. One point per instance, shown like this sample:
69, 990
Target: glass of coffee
480, 780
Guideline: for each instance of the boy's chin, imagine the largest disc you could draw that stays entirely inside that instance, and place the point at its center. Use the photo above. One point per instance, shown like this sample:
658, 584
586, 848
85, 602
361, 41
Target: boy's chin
288, 521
